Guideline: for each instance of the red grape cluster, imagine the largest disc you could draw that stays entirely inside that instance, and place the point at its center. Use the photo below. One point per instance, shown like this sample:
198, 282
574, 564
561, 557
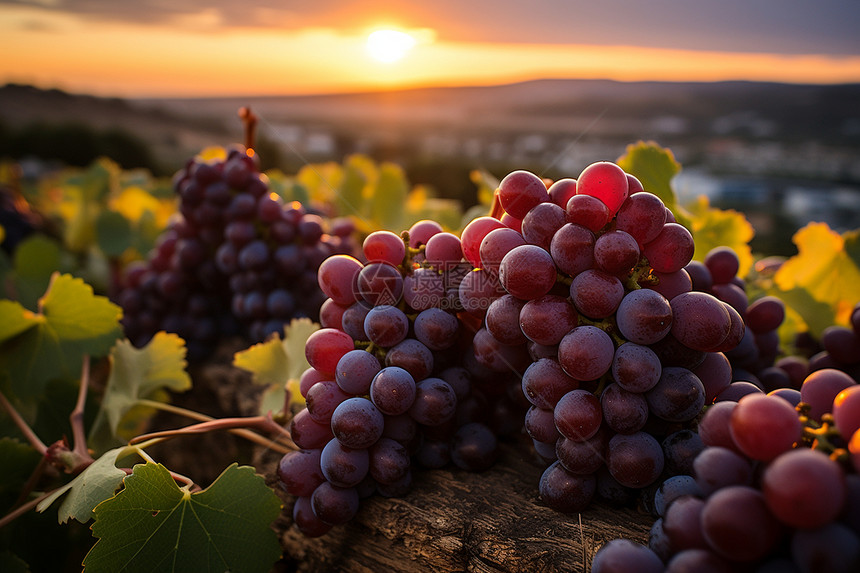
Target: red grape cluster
394, 381
621, 353
235, 260
776, 488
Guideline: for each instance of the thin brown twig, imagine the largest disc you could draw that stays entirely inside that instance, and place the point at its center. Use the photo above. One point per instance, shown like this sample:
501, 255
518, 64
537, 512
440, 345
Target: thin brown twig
76, 418
29, 434
22, 509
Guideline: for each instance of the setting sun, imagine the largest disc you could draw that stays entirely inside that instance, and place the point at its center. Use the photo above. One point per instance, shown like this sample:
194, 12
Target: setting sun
389, 45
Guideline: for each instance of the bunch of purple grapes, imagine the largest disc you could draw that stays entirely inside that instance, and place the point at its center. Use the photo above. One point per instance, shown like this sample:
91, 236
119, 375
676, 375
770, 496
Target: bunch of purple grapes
589, 290
776, 488
234, 261
394, 383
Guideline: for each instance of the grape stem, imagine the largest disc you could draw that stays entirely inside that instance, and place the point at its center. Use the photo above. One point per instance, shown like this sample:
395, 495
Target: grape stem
249, 119
28, 432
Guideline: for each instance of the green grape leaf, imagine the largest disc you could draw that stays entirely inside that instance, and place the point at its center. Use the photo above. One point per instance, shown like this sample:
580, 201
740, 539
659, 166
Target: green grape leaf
72, 322
15, 319
36, 258
138, 373
98, 482
279, 362
113, 233
389, 196
827, 268
716, 227
350, 199
655, 167
153, 525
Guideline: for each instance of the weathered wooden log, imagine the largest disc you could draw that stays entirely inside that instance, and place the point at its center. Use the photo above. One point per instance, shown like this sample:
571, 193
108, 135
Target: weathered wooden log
454, 520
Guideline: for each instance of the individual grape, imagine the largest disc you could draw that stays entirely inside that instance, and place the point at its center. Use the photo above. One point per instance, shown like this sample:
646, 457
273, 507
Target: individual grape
424, 289
305, 519
436, 328
737, 390
578, 415
635, 368
300, 472
714, 425
586, 353
642, 215
307, 433
334, 505
353, 320
495, 245
616, 252
596, 294
443, 250
644, 316
379, 283
583, 457
478, 290
820, 388
541, 223
623, 555
435, 402
520, 191
357, 423
715, 373
673, 488
386, 325
433, 454
789, 484
796, 367
503, 320
658, 541
832, 548
765, 314
496, 356
723, 264
393, 390
738, 525
588, 211
422, 231
545, 450
635, 460
388, 461
512, 222
699, 561
544, 383
547, 319
342, 466
527, 272
606, 181
254, 255
790, 395
564, 491
764, 426
671, 250
572, 249
680, 449
412, 356
699, 320
540, 425
384, 247
474, 447
842, 343
624, 412
308, 378
846, 411
670, 285
325, 347
562, 190
473, 234
682, 523
355, 371
717, 467
322, 398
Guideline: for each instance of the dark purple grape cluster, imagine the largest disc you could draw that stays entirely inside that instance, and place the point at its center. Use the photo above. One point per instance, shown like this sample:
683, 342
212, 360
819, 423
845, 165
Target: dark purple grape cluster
395, 383
776, 487
621, 352
235, 260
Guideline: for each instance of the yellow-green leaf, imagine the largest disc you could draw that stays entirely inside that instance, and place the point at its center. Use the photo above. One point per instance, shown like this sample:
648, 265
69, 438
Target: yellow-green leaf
153, 525
138, 373
654, 167
826, 268
389, 197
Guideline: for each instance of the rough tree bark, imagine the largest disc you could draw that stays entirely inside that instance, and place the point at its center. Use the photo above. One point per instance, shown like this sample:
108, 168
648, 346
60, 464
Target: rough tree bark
454, 520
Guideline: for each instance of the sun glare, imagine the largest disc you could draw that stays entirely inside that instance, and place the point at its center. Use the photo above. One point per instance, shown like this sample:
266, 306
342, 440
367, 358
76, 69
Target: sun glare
389, 45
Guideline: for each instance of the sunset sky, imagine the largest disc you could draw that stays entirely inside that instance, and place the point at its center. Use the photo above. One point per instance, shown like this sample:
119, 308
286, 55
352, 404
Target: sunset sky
258, 47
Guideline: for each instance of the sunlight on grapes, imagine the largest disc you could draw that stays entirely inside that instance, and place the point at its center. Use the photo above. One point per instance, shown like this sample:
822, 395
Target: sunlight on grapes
389, 46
